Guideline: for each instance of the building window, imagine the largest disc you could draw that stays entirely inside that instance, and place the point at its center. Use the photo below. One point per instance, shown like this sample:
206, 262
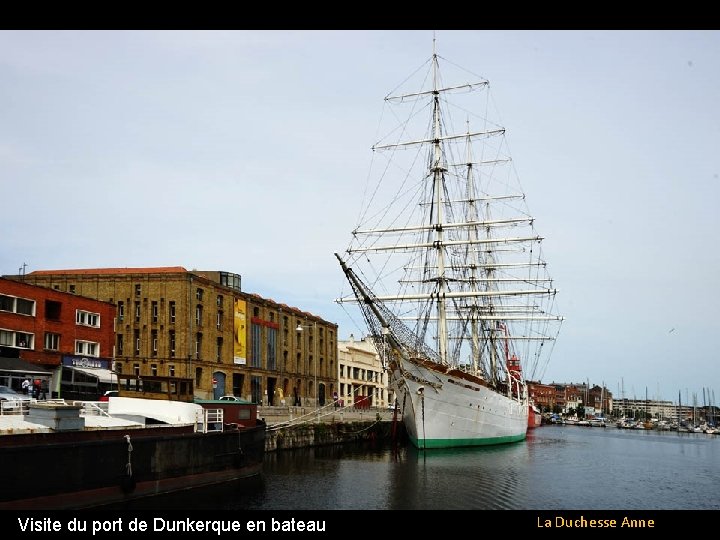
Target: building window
198, 315
87, 318
172, 343
121, 311
198, 377
171, 371
230, 280
154, 338
137, 311
72, 289
87, 348
25, 307
120, 343
218, 353
136, 369
154, 311
198, 345
138, 289
52, 341
271, 348
118, 367
256, 345
172, 312
199, 294
153, 370
13, 304
256, 389
219, 301
52, 310
136, 339
219, 320
21, 340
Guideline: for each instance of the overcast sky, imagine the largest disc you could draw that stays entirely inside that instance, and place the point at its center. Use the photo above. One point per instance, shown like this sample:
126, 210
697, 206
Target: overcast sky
247, 151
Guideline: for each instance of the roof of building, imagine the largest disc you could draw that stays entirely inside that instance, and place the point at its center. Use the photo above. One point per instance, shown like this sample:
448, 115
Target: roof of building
161, 270
108, 271
15, 365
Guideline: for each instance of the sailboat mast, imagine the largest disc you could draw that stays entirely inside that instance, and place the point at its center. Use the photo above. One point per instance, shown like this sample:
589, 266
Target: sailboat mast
679, 406
472, 216
437, 174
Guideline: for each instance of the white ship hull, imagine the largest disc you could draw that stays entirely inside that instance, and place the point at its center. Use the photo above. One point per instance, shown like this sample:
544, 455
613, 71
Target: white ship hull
456, 412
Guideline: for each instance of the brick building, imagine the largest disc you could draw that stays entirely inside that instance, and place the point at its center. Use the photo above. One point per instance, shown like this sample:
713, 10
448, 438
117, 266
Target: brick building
64, 338
199, 324
544, 395
561, 397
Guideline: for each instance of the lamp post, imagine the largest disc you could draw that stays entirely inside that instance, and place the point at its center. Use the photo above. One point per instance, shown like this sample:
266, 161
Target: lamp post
300, 328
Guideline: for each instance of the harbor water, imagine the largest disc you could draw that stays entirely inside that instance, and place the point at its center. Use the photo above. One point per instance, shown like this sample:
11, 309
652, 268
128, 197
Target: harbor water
556, 468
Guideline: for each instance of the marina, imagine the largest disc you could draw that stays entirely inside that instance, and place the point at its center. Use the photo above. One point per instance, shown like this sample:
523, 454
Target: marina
360, 460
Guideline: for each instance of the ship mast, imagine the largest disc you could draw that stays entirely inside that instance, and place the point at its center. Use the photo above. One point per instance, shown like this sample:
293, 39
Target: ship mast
438, 171
472, 216
458, 278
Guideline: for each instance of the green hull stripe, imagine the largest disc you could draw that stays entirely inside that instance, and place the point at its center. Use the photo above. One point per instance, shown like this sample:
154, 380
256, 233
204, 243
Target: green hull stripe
452, 443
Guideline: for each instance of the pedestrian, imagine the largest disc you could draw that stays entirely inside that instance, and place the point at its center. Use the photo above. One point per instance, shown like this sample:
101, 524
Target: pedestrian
44, 389
26, 385
36, 389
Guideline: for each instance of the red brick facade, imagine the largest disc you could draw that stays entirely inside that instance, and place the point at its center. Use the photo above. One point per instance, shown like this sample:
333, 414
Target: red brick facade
55, 313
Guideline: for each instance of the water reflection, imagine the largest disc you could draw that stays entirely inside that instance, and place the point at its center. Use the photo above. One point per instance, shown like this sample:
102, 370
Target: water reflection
557, 467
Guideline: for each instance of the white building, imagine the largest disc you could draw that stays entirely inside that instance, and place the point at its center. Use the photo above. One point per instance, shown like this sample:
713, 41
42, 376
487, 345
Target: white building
362, 379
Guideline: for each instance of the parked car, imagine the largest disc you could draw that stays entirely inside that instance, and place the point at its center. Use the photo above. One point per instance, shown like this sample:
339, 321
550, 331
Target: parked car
107, 395
11, 399
230, 398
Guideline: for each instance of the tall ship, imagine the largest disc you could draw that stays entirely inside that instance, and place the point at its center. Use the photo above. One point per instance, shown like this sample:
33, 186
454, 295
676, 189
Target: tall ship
447, 268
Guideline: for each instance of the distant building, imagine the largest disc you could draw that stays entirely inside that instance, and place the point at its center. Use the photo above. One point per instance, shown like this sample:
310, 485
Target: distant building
563, 397
648, 408
543, 395
199, 324
362, 380
600, 400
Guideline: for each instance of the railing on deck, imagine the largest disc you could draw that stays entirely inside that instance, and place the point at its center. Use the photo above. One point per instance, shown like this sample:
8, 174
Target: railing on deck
15, 406
22, 407
209, 420
92, 408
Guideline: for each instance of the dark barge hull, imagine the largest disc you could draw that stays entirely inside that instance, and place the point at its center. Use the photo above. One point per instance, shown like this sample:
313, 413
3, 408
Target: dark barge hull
86, 469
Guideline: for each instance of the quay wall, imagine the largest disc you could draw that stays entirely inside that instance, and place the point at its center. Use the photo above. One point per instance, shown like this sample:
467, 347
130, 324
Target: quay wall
289, 429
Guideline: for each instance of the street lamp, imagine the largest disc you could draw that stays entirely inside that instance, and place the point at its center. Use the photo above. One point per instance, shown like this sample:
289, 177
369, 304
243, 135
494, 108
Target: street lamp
300, 328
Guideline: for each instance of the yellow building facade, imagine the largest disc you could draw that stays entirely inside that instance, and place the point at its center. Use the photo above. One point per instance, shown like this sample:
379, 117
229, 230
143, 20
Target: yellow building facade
200, 325
362, 380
